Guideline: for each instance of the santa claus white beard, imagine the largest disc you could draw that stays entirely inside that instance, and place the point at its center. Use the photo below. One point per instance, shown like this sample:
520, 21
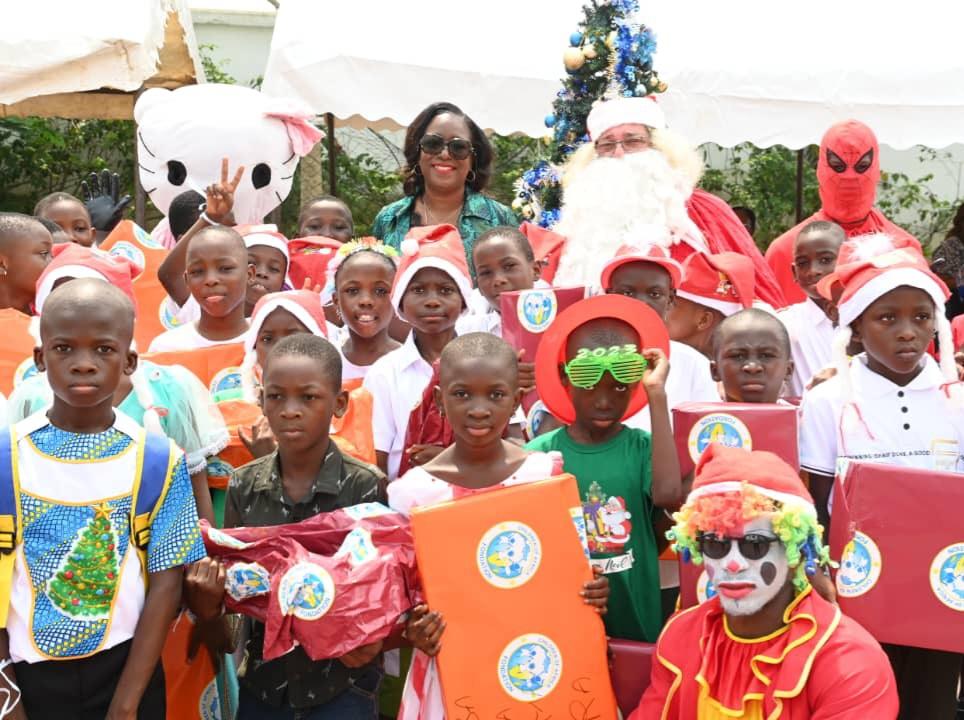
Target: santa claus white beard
637, 198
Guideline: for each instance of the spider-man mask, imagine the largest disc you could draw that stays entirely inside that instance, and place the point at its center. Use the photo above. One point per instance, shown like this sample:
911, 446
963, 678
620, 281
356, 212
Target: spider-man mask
848, 171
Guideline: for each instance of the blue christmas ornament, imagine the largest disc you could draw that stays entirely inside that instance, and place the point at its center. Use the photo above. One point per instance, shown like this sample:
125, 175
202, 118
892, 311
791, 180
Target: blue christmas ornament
575, 39
550, 120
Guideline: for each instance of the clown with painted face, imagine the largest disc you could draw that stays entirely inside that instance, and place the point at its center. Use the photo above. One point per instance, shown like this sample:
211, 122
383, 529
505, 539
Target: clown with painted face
770, 647
848, 170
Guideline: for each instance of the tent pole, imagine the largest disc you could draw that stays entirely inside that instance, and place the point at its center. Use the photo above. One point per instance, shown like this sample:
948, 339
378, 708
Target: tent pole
800, 185
332, 149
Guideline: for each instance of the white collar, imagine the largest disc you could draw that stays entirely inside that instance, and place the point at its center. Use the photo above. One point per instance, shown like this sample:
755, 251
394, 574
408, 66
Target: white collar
872, 385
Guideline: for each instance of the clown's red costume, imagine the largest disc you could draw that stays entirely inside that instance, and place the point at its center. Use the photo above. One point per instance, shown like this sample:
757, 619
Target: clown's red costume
818, 664
848, 170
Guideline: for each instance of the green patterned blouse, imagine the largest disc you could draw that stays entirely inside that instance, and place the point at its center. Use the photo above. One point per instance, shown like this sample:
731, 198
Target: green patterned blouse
479, 213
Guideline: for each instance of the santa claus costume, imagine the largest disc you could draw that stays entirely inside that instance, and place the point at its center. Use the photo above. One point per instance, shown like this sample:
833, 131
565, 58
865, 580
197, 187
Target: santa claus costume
816, 664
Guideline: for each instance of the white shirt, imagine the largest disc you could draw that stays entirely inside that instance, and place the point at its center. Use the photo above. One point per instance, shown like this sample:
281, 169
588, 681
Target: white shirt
186, 337
689, 380
351, 371
489, 322
811, 338
910, 426
396, 382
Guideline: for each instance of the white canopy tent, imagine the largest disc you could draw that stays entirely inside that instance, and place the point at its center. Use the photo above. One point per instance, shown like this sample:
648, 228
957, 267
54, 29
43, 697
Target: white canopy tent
62, 58
753, 71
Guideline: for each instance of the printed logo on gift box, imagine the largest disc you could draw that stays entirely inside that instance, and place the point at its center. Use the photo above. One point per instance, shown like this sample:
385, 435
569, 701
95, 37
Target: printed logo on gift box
225, 540
704, 588
306, 591
579, 520
144, 238
167, 318
509, 554
367, 510
860, 566
209, 708
128, 250
947, 576
246, 580
720, 428
226, 385
530, 667
358, 546
25, 371
537, 309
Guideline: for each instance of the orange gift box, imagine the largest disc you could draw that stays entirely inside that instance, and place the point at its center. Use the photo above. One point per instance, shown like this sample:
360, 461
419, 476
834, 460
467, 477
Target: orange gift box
898, 534
753, 426
505, 568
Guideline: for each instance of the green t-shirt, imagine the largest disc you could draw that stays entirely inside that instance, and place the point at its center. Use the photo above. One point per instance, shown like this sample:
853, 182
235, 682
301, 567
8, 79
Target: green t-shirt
614, 480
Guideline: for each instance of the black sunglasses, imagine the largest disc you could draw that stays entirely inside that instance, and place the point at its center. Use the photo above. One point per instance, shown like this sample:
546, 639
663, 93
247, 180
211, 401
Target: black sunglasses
433, 144
753, 546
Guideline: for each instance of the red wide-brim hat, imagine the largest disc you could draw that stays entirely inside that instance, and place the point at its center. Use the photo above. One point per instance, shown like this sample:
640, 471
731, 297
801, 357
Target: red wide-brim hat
552, 349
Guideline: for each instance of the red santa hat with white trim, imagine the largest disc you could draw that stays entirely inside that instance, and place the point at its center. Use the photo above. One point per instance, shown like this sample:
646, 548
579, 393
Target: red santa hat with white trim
432, 246
76, 261
304, 305
266, 236
649, 253
723, 282
607, 114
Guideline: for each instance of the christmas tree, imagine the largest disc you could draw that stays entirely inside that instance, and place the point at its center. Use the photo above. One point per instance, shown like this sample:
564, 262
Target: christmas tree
85, 583
610, 55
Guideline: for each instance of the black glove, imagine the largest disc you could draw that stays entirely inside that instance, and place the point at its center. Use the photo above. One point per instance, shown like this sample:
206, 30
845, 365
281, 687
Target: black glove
103, 201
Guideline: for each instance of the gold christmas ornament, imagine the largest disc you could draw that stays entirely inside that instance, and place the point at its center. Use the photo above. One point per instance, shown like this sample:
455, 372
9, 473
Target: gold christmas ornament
573, 58
590, 52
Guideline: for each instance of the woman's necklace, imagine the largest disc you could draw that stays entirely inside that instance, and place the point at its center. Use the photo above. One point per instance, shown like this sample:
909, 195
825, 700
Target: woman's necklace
433, 220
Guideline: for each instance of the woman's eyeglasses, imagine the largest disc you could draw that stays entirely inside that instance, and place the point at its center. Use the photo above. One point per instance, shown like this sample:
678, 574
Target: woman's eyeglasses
631, 144
459, 148
753, 546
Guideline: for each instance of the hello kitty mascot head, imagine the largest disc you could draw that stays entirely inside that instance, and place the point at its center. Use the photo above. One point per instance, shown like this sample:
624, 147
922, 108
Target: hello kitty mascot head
183, 135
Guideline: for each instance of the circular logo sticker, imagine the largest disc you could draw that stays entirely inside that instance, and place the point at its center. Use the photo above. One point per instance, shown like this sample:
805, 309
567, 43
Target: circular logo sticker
130, 251
704, 588
306, 591
537, 309
166, 315
209, 706
358, 547
530, 667
718, 428
246, 580
224, 540
226, 385
25, 371
145, 239
947, 576
509, 554
860, 565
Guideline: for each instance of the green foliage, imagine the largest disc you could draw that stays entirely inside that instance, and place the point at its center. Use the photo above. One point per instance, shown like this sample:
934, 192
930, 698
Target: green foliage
365, 185
765, 180
514, 154
43, 155
913, 205
214, 70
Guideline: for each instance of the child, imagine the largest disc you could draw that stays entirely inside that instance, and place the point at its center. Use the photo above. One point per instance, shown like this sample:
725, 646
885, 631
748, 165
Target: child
429, 292
810, 326
892, 403
326, 216
362, 277
70, 213
624, 473
217, 274
713, 287
751, 357
57, 233
479, 391
306, 475
647, 273
85, 640
504, 262
24, 253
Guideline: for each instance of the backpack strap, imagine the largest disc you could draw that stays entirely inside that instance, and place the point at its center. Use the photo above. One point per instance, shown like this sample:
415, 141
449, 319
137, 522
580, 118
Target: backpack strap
155, 467
10, 530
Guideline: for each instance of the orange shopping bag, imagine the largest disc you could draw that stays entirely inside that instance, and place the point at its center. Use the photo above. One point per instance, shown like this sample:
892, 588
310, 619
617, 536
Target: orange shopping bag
16, 350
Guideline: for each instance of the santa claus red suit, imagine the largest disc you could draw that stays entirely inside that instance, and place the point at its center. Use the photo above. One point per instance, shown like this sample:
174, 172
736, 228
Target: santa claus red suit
848, 170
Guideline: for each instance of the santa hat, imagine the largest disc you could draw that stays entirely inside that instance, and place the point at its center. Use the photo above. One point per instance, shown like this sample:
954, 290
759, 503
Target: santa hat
649, 253
307, 309
868, 267
76, 261
547, 247
607, 114
723, 282
432, 246
723, 469
266, 236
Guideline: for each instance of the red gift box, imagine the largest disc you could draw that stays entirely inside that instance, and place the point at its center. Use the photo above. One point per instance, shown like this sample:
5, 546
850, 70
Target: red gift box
527, 314
630, 668
754, 426
899, 537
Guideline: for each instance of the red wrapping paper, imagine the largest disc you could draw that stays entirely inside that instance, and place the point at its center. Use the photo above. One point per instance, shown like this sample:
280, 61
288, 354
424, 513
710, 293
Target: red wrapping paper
898, 536
330, 583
